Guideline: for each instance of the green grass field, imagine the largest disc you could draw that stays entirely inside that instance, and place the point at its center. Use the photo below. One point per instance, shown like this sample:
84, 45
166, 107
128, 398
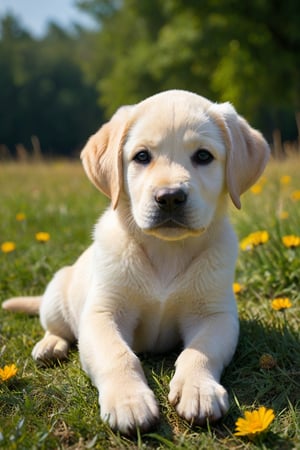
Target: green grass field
56, 407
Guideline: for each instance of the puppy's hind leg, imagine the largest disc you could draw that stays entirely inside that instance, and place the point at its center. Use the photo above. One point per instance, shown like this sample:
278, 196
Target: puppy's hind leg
51, 347
54, 316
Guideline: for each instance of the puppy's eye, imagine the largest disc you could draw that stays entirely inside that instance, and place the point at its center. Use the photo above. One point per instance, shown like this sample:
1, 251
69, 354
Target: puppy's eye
202, 157
142, 157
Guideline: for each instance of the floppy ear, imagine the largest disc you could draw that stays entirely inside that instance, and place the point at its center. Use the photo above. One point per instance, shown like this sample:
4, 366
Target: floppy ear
102, 155
247, 150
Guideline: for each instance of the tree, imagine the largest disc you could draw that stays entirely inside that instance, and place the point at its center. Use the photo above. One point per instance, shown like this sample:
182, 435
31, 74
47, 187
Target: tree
260, 67
245, 52
43, 90
57, 87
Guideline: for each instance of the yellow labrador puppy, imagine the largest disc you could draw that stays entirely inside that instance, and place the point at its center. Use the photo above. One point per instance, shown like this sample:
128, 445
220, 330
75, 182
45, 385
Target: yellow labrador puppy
161, 268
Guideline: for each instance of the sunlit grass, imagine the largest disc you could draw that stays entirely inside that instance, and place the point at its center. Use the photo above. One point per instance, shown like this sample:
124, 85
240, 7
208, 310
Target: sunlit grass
57, 407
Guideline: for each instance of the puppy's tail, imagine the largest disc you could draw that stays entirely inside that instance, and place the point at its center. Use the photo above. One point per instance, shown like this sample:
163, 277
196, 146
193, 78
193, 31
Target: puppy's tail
29, 305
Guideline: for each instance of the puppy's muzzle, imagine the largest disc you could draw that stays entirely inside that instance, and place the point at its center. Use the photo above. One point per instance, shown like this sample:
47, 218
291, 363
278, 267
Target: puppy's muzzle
170, 204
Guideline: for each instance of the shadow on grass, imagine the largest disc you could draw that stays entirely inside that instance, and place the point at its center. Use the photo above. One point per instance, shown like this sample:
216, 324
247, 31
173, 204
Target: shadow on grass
248, 384
251, 385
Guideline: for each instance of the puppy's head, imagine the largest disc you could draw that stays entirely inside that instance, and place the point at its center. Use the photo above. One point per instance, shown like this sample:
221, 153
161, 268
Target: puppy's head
175, 156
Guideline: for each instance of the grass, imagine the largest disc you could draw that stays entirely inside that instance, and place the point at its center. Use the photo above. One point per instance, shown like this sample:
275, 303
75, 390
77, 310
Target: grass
56, 407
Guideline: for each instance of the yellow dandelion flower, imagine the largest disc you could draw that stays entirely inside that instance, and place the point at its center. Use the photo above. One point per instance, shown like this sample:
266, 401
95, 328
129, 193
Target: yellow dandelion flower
256, 189
295, 195
246, 244
267, 361
20, 217
285, 179
280, 304
254, 239
237, 288
283, 215
291, 241
254, 423
8, 247
8, 372
260, 237
42, 236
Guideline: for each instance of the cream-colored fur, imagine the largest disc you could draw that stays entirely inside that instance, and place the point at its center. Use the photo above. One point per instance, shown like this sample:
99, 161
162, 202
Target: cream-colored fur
161, 268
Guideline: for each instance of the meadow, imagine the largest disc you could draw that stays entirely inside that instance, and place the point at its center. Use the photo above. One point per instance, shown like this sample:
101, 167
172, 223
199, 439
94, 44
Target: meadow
56, 407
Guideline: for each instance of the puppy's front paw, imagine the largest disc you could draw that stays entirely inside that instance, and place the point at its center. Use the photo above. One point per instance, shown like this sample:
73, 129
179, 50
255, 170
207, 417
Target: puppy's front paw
198, 398
128, 405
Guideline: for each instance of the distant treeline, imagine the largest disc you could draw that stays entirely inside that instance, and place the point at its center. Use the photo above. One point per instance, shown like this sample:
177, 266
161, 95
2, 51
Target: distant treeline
57, 90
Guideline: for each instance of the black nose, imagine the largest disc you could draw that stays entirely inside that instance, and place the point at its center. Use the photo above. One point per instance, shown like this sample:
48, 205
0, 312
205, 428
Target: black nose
170, 198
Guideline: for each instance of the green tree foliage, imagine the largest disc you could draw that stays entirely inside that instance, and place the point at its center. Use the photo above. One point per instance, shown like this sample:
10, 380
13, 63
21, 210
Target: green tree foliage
43, 91
244, 52
56, 87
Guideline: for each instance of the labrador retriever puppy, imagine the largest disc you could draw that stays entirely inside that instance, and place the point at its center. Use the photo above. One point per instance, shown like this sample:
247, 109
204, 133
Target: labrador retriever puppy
161, 268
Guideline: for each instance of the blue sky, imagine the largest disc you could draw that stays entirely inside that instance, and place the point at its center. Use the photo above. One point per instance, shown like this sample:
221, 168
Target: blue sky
35, 14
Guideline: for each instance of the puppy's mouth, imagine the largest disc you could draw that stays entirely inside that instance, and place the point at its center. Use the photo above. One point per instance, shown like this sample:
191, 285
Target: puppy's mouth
172, 229
170, 219
170, 223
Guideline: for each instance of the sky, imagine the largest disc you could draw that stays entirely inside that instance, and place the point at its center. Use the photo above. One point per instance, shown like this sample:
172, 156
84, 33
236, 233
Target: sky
34, 14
